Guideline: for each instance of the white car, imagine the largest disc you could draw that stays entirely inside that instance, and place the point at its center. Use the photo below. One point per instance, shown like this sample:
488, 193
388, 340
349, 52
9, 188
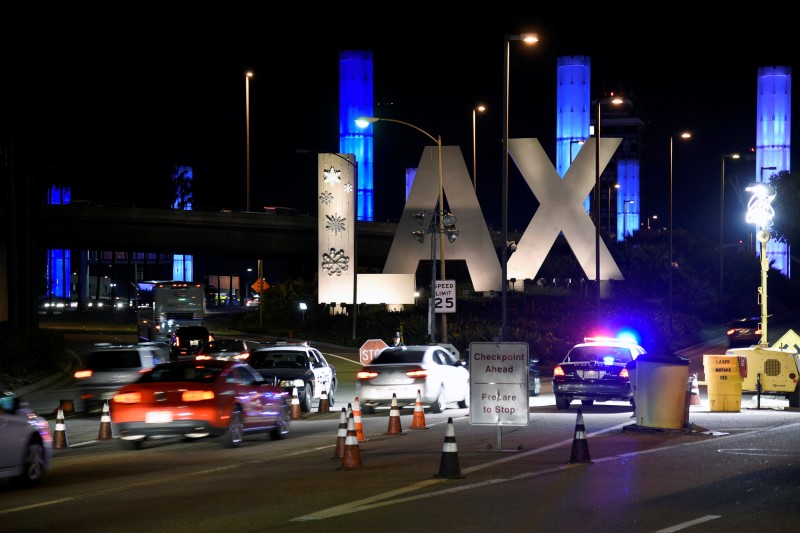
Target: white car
26, 444
433, 372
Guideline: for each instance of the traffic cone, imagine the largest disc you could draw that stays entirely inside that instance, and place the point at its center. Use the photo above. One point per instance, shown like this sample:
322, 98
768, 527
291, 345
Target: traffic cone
694, 398
324, 405
105, 424
341, 436
394, 419
349, 409
296, 414
580, 448
351, 458
418, 422
448, 466
357, 420
60, 434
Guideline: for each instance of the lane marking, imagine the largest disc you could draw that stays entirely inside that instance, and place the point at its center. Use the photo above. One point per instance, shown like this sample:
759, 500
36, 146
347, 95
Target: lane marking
685, 525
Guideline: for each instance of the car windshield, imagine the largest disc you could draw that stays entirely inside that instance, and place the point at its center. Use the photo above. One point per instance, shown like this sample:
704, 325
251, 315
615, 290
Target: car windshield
277, 359
108, 359
598, 354
196, 374
393, 357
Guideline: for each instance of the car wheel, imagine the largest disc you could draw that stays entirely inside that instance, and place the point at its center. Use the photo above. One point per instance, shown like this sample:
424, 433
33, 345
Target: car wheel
331, 393
440, 404
793, 397
281, 430
33, 466
587, 402
368, 409
464, 404
234, 433
305, 405
562, 402
130, 444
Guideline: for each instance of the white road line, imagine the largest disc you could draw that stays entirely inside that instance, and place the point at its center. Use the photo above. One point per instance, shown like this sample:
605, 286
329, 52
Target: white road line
678, 527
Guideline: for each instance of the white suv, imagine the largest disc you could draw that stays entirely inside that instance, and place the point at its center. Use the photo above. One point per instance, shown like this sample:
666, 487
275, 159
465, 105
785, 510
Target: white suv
107, 367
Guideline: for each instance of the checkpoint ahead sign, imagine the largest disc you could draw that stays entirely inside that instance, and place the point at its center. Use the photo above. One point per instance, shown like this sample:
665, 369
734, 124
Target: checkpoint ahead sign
498, 374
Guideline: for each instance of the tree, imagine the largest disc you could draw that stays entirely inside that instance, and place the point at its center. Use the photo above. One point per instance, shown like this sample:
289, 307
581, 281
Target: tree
785, 224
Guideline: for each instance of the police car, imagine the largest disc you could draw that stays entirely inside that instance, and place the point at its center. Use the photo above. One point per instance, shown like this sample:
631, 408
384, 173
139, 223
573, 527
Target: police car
296, 364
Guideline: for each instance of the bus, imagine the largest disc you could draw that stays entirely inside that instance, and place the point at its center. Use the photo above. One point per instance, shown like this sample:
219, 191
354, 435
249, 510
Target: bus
165, 305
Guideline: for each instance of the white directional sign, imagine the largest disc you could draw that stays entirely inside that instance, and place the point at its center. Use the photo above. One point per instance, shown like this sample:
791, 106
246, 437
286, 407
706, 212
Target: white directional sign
498, 374
445, 296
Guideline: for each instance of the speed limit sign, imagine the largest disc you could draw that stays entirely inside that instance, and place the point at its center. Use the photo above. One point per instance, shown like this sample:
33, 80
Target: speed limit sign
445, 296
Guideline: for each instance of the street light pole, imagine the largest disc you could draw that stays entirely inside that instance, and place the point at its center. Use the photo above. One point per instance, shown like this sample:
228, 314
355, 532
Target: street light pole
247, 76
363, 122
480, 108
721, 303
528, 38
683, 135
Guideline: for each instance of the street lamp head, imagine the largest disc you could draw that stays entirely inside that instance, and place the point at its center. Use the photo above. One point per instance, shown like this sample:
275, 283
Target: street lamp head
419, 236
248, 74
480, 108
685, 135
363, 122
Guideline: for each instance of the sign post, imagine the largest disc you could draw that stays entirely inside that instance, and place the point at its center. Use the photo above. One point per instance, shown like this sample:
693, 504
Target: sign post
370, 350
498, 375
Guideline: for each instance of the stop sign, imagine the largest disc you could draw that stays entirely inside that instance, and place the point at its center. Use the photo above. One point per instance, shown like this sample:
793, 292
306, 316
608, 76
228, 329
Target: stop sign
370, 350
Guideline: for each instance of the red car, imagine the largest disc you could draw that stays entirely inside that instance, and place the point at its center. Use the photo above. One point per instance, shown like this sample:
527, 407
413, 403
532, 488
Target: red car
196, 399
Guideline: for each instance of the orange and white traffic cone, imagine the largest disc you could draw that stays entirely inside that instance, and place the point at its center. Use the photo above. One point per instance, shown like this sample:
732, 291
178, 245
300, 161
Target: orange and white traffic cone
324, 405
394, 419
580, 448
418, 422
357, 420
105, 424
296, 413
694, 398
341, 436
351, 458
449, 467
60, 434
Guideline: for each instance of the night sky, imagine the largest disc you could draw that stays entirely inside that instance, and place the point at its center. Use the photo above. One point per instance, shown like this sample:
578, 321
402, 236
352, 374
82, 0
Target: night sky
111, 107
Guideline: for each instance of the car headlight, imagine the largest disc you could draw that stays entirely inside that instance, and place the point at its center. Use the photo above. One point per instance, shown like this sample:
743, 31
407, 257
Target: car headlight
292, 383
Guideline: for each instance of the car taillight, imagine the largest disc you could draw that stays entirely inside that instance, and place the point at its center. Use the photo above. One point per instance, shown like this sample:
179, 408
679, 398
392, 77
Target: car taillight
421, 373
128, 397
558, 371
202, 357
731, 331
623, 373
366, 375
80, 374
197, 395
242, 356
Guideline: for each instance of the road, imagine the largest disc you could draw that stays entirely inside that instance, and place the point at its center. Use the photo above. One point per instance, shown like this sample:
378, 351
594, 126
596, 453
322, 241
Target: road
726, 471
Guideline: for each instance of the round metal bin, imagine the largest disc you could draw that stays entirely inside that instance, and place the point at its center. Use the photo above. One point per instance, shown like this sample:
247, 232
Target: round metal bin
661, 390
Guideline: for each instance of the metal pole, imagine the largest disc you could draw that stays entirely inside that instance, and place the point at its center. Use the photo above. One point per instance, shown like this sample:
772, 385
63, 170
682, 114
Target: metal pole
247, 77
441, 231
431, 302
721, 242
764, 271
669, 293
474, 155
504, 197
597, 218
